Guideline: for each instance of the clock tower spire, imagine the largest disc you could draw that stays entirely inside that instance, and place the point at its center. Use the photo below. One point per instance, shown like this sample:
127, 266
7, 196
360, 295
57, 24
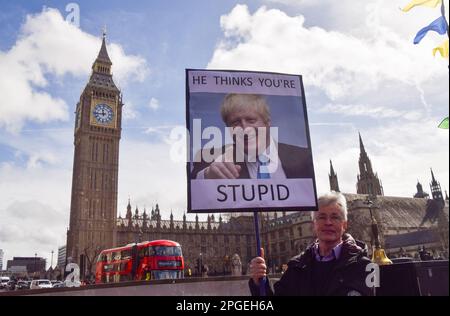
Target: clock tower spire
98, 124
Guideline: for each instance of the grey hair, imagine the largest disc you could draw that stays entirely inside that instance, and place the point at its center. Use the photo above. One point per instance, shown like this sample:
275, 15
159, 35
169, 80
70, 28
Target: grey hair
235, 101
330, 198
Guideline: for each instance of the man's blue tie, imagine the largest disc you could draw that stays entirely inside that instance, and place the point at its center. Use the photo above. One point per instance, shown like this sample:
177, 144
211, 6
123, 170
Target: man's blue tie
263, 167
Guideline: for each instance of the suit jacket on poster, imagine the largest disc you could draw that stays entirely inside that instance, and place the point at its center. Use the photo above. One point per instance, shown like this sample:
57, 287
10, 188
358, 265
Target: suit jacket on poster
296, 161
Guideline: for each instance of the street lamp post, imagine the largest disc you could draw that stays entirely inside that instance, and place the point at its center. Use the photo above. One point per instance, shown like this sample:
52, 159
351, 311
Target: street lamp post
51, 264
201, 264
378, 253
35, 262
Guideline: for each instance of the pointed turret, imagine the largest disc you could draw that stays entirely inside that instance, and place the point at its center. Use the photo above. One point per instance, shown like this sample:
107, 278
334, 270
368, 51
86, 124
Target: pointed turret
334, 184
435, 187
361, 144
368, 181
421, 194
102, 63
103, 54
157, 212
158, 217
144, 218
101, 69
129, 213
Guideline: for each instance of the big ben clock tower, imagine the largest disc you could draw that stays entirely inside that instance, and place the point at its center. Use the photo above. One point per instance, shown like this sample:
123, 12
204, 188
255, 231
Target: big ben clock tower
93, 208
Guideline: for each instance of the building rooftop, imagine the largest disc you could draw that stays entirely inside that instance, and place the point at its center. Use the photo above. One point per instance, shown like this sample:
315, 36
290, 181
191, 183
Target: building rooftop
410, 239
396, 212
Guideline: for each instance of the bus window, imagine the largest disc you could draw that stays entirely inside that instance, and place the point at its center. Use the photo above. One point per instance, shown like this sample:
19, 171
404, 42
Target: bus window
166, 251
107, 268
165, 274
102, 258
123, 266
117, 256
125, 255
143, 253
151, 251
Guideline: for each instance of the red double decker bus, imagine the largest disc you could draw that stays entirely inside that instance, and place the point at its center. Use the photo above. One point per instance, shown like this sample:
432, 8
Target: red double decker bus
149, 260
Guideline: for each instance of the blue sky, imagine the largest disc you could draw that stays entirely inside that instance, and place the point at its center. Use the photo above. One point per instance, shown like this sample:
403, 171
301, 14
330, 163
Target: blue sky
360, 69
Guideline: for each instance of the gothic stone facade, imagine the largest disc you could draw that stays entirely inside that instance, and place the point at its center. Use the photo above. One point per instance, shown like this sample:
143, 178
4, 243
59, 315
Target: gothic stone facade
214, 242
284, 235
93, 208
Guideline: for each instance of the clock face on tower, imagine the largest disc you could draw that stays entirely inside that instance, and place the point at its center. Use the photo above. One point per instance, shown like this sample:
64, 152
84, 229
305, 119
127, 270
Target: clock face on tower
103, 113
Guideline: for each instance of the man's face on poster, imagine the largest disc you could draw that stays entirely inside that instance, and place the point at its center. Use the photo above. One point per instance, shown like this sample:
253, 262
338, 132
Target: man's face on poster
249, 128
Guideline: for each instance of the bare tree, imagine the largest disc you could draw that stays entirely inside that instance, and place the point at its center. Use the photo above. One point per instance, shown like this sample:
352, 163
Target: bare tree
91, 253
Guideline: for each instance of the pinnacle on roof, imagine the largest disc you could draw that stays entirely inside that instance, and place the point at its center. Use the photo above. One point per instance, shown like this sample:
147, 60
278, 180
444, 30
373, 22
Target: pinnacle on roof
103, 54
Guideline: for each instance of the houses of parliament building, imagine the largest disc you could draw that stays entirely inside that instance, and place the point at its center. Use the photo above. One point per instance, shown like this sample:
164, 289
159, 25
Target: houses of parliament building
406, 224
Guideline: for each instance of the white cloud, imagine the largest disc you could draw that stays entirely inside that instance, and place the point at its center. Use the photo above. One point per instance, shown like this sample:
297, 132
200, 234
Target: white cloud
49, 46
31, 227
369, 111
365, 68
154, 104
364, 18
149, 176
129, 111
35, 191
338, 63
401, 153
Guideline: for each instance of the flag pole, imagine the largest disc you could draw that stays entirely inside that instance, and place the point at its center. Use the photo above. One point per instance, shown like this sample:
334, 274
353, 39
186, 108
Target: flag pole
446, 24
262, 281
443, 15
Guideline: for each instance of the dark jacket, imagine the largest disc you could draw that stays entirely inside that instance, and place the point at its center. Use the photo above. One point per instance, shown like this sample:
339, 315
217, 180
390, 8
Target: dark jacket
348, 276
296, 161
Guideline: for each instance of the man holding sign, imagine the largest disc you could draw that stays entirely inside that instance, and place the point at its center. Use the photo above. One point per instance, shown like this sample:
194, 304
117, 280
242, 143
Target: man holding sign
255, 154
334, 265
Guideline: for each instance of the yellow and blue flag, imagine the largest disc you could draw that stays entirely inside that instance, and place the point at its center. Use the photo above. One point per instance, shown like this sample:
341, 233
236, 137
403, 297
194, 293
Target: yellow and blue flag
442, 49
439, 25
428, 3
